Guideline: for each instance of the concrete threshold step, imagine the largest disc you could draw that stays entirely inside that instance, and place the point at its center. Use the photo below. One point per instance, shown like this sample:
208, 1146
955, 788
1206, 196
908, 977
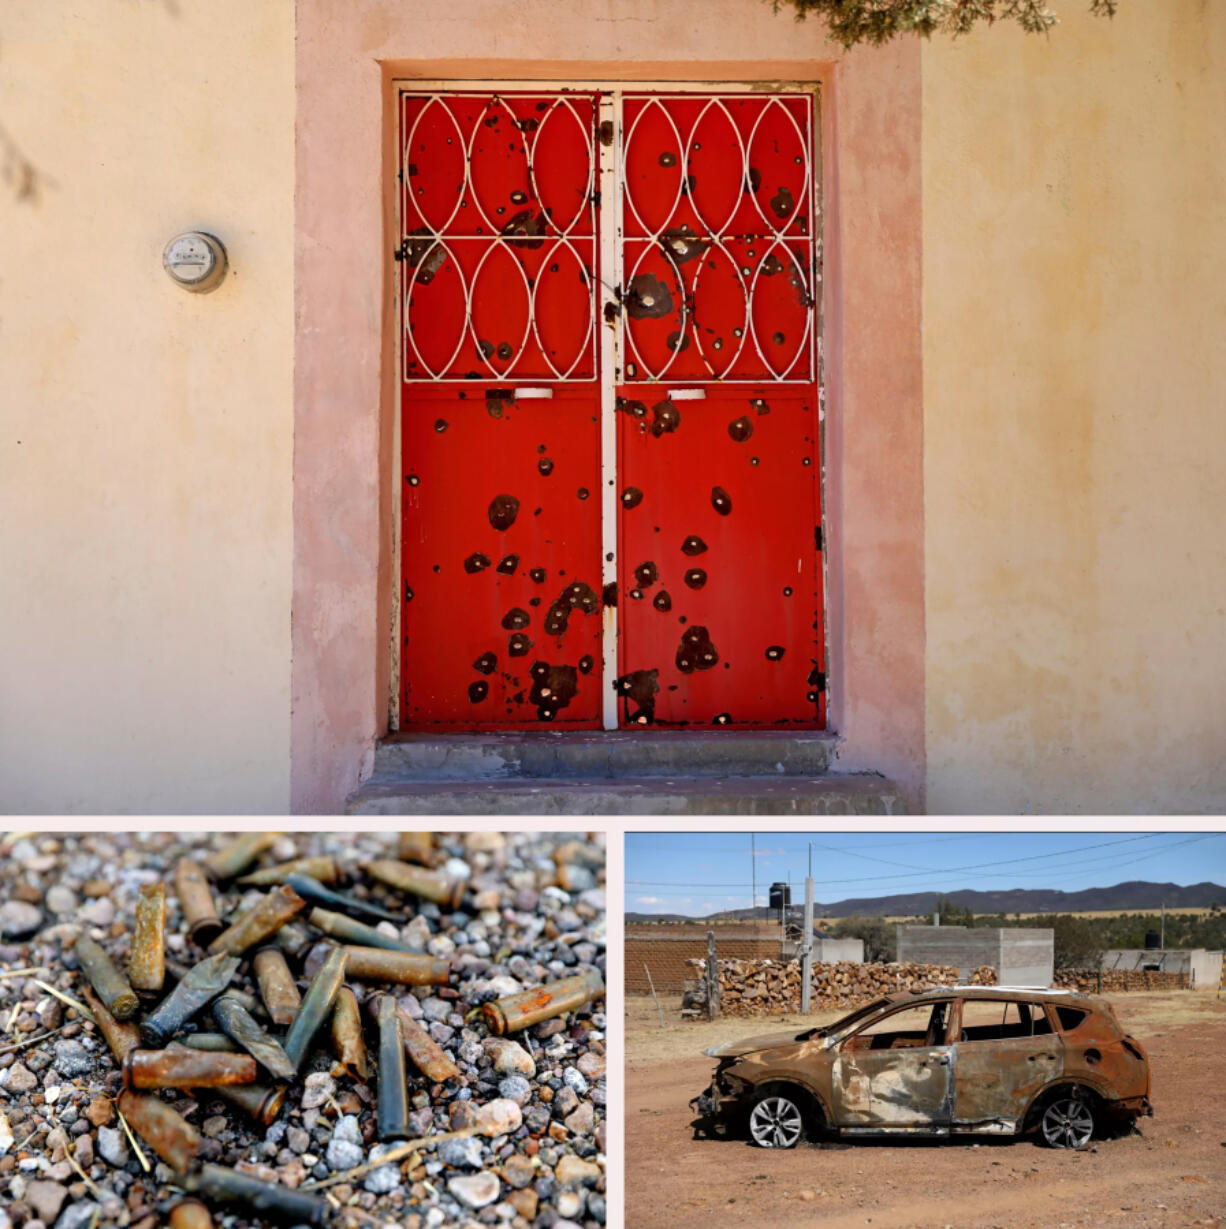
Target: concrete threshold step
852, 794
601, 754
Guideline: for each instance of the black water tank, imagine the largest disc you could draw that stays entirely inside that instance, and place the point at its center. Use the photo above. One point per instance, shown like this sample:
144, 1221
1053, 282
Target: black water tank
781, 895
1153, 941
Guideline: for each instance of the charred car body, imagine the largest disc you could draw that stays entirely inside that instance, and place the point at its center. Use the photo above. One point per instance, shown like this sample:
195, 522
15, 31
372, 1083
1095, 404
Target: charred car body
951, 1060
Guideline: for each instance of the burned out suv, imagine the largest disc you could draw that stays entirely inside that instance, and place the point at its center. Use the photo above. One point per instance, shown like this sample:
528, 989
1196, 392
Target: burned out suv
950, 1060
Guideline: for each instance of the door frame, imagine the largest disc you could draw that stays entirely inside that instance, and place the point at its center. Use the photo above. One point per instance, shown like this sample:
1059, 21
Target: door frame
611, 91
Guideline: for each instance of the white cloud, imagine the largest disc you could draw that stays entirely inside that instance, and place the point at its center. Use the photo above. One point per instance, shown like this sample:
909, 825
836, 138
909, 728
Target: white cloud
648, 900
769, 853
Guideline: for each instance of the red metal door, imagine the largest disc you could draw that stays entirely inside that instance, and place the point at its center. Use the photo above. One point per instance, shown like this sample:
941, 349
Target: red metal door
501, 558
718, 460
609, 411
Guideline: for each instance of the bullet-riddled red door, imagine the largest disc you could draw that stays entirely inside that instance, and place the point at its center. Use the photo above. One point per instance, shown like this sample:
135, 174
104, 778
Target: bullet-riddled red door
610, 504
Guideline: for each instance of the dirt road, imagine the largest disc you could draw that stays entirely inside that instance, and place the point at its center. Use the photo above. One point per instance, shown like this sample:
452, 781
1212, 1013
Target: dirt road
1172, 1174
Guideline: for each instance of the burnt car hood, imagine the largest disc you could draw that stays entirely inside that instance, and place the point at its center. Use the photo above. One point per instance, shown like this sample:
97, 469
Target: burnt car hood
760, 1041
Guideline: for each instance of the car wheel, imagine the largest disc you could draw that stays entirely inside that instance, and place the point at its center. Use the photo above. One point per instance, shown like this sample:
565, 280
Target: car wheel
776, 1122
1067, 1121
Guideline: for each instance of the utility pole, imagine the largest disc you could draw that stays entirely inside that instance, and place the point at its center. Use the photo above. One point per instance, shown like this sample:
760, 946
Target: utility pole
753, 869
1162, 939
806, 946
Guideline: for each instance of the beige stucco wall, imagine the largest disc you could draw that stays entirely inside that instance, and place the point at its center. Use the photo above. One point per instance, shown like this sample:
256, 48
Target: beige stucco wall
1074, 425
146, 433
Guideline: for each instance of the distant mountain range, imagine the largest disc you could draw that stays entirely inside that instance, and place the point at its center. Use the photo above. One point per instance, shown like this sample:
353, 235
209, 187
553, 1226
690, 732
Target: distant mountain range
1135, 896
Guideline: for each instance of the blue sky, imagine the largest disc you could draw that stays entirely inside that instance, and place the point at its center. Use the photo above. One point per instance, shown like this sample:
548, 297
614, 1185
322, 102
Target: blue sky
697, 873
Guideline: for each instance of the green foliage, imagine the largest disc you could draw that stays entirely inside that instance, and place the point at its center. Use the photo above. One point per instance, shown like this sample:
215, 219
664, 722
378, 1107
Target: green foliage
1078, 943
880, 945
1090, 935
951, 914
878, 21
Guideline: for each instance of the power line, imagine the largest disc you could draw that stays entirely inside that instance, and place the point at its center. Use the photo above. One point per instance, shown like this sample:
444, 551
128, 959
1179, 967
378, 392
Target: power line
1148, 836
1110, 862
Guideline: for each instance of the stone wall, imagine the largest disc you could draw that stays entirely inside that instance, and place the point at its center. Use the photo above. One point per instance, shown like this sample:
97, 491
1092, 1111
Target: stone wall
769, 987
1116, 981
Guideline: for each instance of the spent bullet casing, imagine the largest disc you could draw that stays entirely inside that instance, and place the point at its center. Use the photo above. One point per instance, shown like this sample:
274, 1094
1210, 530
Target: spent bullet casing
316, 1005
314, 891
196, 902
269, 914
198, 987
185, 1068
347, 930
234, 858
518, 1011
121, 1035
274, 1202
165, 1130
108, 982
236, 1022
417, 881
264, 1102
404, 968
322, 869
190, 1214
392, 1103
347, 1034
425, 1053
277, 988
416, 847
180, 971
209, 1041
147, 958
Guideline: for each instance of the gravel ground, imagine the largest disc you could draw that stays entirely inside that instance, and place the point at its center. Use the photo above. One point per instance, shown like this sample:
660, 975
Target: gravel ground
536, 1099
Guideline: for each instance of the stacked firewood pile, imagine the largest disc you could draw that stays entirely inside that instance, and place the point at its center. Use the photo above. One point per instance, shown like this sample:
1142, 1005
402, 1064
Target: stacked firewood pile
1115, 981
767, 987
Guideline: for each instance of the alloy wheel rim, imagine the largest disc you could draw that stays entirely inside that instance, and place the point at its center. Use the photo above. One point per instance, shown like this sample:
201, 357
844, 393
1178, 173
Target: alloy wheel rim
1068, 1123
775, 1123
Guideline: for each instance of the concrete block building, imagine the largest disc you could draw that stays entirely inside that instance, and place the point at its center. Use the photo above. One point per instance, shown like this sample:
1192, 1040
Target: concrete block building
1021, 956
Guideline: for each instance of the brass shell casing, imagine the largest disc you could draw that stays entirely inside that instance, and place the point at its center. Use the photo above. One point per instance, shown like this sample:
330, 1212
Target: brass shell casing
425, 1053
121, 1035
277, 987
190, 1214
323, 868
347, 1035
186, 1068
234, 858
417, 881
404, 968
198, 986
316, 1005
196, 902
392, 1095
147, 957
165, 1130
518, 1011
108, 982
264, 1199
348, 930
257, 923
416, 847
264, 1102
237, 1023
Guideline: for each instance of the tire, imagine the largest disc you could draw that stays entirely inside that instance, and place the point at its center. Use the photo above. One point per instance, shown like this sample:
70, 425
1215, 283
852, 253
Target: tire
777, 1120
1068, 1119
